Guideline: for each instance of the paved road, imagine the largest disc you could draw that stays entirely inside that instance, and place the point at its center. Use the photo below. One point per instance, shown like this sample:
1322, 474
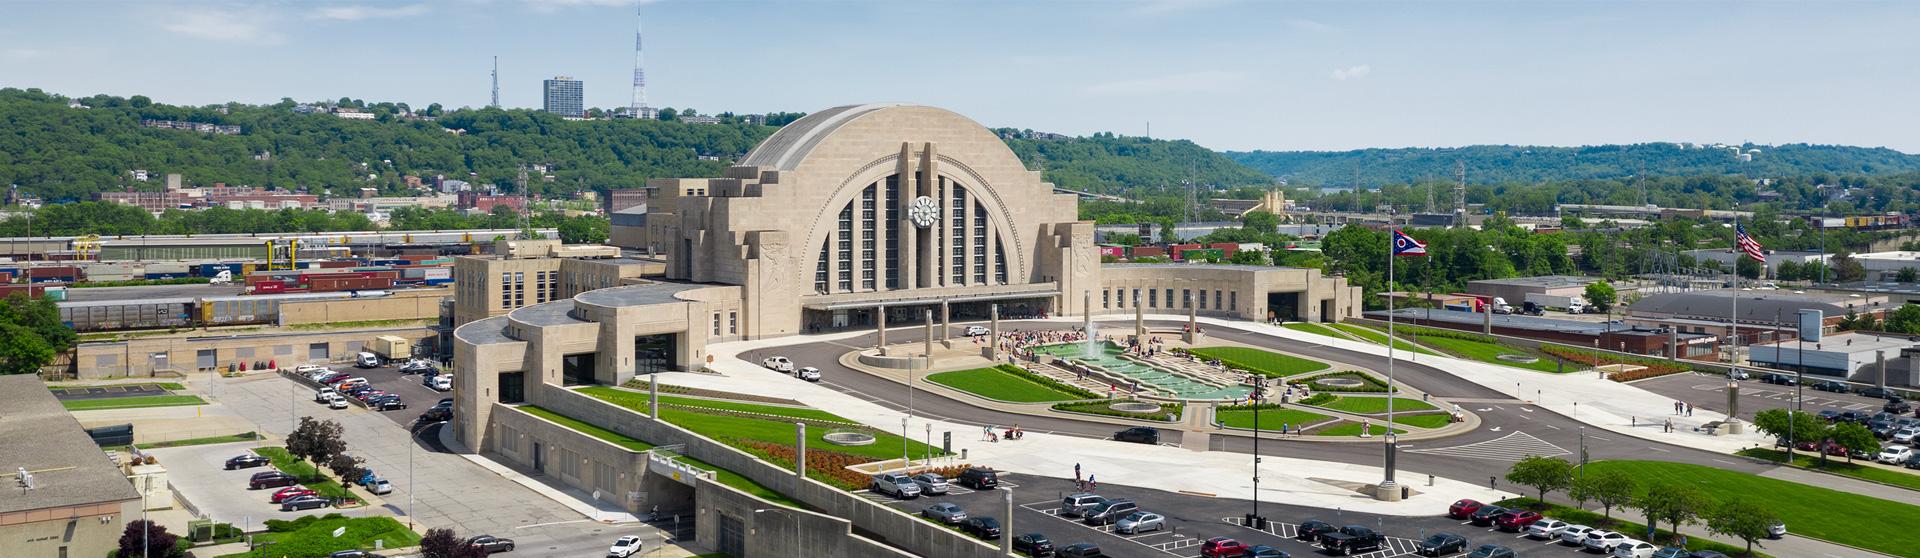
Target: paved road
448, 490
1709, 391
1510, 430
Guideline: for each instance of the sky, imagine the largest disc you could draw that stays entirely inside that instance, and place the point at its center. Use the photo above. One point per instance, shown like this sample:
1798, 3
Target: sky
1229, 75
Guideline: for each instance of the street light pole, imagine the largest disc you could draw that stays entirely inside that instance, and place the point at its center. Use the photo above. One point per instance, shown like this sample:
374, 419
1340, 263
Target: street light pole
1253, 519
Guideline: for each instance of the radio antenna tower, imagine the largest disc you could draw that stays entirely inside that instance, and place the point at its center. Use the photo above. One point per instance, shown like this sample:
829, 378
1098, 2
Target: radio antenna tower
1460, 194
638, 107
496, 83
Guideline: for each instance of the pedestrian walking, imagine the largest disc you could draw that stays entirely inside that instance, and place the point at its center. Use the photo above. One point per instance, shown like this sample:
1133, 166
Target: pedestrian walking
1689, 409
1076, 473
1092, 485
1283, 428
986, 431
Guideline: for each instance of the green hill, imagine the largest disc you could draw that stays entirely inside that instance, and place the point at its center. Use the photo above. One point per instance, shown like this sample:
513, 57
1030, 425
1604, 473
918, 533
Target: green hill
1107, 163
1487, 164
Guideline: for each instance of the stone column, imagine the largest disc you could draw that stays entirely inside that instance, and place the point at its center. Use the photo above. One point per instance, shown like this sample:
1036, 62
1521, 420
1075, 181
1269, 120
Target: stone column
1486, 322
1193, 322
1086, 317
946, 324
1732, 424
993, 345
1880, 359
929, 339
1139, 317
880, 320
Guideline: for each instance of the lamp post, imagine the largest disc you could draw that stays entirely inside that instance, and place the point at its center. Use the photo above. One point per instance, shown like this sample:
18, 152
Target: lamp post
1253, 519
412, 438
796, 527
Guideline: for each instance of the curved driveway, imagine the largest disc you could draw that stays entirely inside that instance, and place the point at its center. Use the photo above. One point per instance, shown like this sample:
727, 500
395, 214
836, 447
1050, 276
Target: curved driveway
1509, 428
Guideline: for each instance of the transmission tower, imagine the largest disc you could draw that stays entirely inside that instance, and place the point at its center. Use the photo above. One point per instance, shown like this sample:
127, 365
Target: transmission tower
496, 83
1460, 194
638, 106
1430, 203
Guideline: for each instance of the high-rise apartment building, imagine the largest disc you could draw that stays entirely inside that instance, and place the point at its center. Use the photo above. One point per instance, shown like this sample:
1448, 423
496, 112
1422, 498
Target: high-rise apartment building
563, 97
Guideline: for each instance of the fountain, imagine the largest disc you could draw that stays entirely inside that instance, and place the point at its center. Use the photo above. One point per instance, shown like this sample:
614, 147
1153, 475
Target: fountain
1106, 357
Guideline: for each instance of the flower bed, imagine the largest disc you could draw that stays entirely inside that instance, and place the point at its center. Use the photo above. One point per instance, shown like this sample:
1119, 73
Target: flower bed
1369, 383
1652, 368
1104, 407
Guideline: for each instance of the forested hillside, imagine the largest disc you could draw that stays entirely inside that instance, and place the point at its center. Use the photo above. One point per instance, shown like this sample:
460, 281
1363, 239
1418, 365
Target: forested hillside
1107, 163
1487, 164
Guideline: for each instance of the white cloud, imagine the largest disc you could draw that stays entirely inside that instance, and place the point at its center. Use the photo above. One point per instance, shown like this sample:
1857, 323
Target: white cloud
1191, 82
228, 26
1355, 72
357, 13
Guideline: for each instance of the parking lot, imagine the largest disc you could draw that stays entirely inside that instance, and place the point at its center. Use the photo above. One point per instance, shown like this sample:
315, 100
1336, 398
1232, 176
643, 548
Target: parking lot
1707, 391
1193, 518
418, 397
199, 474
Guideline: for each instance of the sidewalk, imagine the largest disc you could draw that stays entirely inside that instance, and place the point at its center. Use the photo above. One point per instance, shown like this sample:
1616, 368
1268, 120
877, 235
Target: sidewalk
1300, 481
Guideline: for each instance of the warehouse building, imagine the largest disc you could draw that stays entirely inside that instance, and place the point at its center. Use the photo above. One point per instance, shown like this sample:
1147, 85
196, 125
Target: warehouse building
72, 500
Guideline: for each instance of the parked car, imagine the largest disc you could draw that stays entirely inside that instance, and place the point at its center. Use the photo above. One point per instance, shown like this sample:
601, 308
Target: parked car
1547, 529
1486, 515
1076, 505
944, 512
442, 382
1872, 391
973, 330
1894, 455
1140, 522
1632, 548
338, 402
930, 483
1139, 435
1708, 554
289, 493
1222, 547
777, 363
436, 414
1897, 406
247, 461
1574, 534
1352, 539
978, 478
1516, 520
1777, 530
1672, 552
1036, 545
808, 373
984, 527
1777, 379
1110, 511
380, 486
1602, 541
307, 502
1492, 551
1264, 551
1463, 509
416, 367
1081, 550
324, 395
896, 485
1852, 416
1310, 530
1829, 415
1905, 435
354, 554
388, 404
491, 544
624, 547
1439, 544
271, 479
1912, 462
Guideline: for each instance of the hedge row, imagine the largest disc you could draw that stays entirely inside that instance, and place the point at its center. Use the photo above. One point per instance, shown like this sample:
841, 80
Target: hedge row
1077, 391
1373, 385
1100, 407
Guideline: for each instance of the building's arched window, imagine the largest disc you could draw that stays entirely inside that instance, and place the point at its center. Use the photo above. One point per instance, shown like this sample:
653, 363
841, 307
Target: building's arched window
867, 242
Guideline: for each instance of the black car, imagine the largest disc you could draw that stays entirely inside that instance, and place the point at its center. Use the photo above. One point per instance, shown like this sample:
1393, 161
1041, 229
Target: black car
1834, 387
491, 544
437, 414
1829, 415
1913, 462
1312, 529
1852, 416
978, 478
387, 404
983, 527
1441, 543
1082, 550
1897, 406
1264, 551
1484, 515
303, 503
246, 461
271, 479
1036, 545
1707, 554
1139, 434
1778, 379
1493, 551
415, 367
1873, 391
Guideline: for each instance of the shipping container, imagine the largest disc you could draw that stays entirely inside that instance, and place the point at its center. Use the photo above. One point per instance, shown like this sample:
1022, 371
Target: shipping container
1148, 251
31, 291
1201, 253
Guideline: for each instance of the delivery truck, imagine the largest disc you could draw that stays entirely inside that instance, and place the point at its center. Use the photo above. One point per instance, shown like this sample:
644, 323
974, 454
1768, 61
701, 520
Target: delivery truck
385, 349
1570, 304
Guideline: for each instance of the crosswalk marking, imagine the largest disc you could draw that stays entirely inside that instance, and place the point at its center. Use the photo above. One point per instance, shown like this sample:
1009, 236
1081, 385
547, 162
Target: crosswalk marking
1511, 447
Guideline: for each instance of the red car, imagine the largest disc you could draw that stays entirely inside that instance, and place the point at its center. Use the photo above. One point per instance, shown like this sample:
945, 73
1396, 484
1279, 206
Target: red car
1516, 520
290, 492
1222, 547
1463, 509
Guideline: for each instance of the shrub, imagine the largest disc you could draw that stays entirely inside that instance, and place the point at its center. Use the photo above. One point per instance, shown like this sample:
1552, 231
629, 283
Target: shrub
1651, 367
1046, 381
1370, 383
1101, 407
1318, 399
826, 466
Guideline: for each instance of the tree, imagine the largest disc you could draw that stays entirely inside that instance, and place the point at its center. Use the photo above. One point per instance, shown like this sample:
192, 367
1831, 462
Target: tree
1679, 504
347, 468
1789, 270
1609, 488
1907, 275
316, 441
584, 229
1601, 294
1544, 474
1905, 319
1846, 269
1746, 267
1856, 438
1572, 222
1790, 426
156, 542
1742, 519
34, 333
440, 543
1261, 221
23, 352
1248, 257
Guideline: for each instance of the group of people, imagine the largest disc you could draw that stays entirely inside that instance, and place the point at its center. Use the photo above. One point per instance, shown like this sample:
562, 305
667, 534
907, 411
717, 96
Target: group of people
1085, 485
987, 433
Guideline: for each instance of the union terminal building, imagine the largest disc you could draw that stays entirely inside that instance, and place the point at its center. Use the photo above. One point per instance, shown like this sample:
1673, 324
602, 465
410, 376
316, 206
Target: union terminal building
846, 218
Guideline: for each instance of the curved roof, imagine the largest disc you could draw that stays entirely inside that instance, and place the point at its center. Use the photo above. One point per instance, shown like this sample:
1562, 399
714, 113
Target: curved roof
785, 149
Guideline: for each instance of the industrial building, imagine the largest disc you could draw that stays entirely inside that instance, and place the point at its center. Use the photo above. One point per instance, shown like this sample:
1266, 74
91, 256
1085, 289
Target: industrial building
1615, 335
1773, 309
1858, 356
1729, 257
244, 246
72, 499
1516, 290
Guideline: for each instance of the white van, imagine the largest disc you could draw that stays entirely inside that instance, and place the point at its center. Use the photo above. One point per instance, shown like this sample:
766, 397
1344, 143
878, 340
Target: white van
366, 360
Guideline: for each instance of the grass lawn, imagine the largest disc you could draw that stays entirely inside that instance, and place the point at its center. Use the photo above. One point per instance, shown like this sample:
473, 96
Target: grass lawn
1270, 419
1312, 328
1842, 517
725, 477
132, 402
241, 437
301, 469
1268, 363
638, 402
1377, 337
994, 383
312, 536
1435, 420
1839, 467
1490, 353
1375, 405
721, 427
1353, 429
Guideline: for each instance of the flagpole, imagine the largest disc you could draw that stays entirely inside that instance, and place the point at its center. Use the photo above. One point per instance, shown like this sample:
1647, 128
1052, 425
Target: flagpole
1740, 251
1387, 486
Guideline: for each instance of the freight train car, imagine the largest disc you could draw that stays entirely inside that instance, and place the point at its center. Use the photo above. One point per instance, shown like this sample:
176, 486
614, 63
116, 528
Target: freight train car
114, 315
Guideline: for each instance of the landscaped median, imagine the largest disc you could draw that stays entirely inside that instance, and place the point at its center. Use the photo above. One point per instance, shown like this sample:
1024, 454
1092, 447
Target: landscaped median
1264, 362
134, 402
314, 536
725, 477
308, 475
1010, 384
1378, 338
1164, 411
1473, 346
1272, 416
1312, 328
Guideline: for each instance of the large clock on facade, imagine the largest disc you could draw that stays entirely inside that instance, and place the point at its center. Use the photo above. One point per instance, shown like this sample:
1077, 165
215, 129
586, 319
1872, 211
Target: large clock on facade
923, 213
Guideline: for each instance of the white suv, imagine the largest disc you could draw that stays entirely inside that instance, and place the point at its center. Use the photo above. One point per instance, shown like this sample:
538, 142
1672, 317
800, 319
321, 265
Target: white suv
1602, 541
808, 373
973, 330
777, 363
1574, 534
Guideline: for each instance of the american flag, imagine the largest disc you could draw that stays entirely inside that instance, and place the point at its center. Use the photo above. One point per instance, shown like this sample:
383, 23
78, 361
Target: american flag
1747, 244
